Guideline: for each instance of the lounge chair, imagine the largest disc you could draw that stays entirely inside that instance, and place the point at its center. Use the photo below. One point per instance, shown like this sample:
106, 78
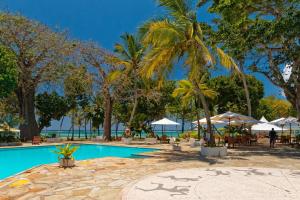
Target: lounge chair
36, 140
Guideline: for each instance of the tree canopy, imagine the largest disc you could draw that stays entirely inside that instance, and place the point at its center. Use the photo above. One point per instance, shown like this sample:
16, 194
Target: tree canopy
8, 72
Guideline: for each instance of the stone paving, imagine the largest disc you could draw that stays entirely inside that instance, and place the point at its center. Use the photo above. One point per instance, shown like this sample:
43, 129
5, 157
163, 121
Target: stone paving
106, 178
218, 183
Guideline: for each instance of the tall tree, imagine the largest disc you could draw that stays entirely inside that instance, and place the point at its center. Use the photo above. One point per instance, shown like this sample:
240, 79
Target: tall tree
101, 60
269, 31
231, 95
180, 37
50, 107
189, 92
77, 89
130, 54
273, 108
40, 53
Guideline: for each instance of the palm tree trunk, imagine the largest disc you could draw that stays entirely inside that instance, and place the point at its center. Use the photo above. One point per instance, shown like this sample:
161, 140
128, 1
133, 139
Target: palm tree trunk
61, 123
207, 116
197, 103
85, 128
247, 95
245, 84
182, 124
135, 103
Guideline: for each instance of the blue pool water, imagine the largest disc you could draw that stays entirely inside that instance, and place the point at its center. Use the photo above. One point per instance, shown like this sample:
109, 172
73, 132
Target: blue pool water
15, 160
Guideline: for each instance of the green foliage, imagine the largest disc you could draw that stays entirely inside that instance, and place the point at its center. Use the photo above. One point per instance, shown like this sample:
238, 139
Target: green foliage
50, 107
66, 151
273, 108
232, 96
7, 136
189, 134
8, 72
267, 32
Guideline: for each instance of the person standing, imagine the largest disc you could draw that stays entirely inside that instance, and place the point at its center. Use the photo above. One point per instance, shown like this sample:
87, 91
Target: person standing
272, 135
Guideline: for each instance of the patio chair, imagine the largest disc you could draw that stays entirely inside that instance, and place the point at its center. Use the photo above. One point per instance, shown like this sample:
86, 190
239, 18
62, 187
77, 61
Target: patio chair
231, 141
36, 140
164, 139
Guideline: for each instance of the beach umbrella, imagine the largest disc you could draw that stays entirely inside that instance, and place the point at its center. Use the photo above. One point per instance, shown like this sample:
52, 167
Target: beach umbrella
263, 120
165, 122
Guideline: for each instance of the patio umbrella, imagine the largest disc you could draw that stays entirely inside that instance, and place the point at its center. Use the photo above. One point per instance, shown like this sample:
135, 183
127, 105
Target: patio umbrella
165, 122
231, 116
203, 121
289, 121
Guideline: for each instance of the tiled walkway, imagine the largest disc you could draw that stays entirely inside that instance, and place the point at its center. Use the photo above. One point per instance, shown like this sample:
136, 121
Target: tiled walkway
107, 177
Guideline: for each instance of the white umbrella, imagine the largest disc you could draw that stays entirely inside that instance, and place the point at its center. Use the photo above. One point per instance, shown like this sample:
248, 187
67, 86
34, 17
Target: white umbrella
289, 121
230, 116
264, 120
164, 122
265, 127
203, 121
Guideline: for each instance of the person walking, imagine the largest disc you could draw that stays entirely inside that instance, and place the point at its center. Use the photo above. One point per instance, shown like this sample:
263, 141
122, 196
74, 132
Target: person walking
272, 135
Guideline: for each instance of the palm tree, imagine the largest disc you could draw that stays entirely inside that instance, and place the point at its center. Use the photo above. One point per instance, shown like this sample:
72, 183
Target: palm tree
180, 37
130, 53
189, 92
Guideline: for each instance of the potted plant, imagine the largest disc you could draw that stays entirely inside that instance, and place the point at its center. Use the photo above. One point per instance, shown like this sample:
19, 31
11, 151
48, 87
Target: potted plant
175, 145
65, 155
127, 138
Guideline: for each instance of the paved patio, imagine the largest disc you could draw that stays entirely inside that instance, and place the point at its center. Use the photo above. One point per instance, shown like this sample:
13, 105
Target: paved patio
106, 178
218, 183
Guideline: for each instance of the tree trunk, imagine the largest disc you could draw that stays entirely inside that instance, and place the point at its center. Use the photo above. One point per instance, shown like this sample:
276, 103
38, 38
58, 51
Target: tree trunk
72, 121
198, 117
28, 126
247, 94
107, 117
135, 103
117, 128
182, 124
85, 122
207, 116
298, 103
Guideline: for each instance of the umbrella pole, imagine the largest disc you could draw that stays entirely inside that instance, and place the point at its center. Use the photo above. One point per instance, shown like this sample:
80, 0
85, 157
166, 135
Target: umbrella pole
290, 132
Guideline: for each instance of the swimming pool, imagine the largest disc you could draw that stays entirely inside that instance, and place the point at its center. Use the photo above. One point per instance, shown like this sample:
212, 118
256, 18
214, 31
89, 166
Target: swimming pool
15, 160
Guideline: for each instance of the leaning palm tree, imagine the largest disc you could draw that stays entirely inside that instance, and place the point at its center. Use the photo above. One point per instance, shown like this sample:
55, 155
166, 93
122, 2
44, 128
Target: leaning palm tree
130, 54
180, 37
188, 91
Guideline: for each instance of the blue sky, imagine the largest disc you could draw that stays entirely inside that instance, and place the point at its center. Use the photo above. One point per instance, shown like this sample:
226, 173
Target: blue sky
102, 21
